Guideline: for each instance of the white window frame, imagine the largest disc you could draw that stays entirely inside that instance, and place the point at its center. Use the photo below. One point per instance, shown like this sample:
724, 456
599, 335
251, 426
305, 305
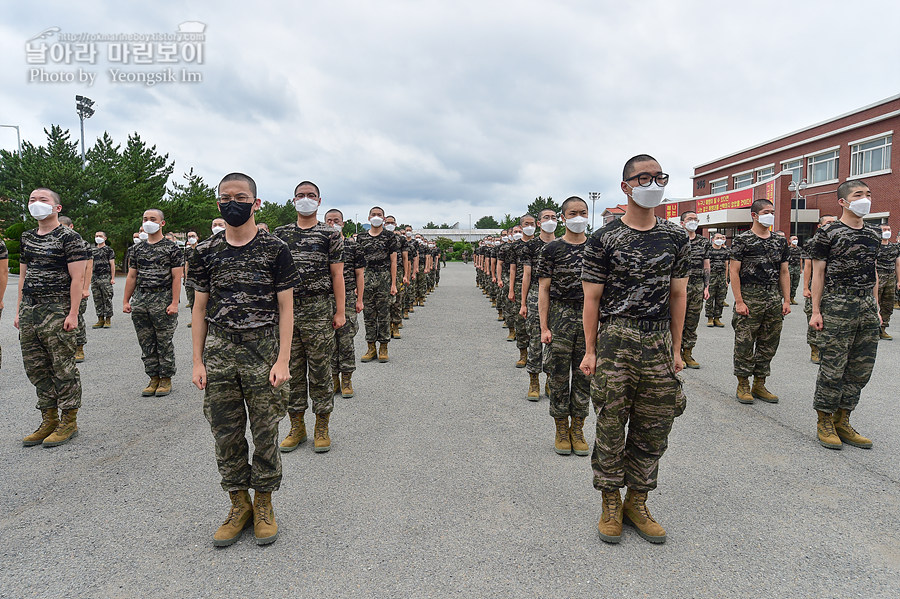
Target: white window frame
799, 159
735, 176
713, 184
758, 172
809, 170
853, 154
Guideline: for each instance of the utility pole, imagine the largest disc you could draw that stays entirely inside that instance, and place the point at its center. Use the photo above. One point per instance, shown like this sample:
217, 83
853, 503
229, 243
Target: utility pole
594, 196
83, 106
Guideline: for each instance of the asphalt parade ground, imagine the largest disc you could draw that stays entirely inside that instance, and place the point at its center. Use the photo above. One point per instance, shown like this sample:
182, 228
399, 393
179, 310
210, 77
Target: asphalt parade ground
442, 482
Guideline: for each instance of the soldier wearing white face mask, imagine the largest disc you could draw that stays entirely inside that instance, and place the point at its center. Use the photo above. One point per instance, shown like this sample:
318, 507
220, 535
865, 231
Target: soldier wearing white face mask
887, 265
698, 286
381, 250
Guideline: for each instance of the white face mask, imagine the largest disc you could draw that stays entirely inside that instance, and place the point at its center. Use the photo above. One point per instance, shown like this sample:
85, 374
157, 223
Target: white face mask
794, 241
337, 227
861, 206
143, 236
767, 220
306, 206
691, 225
517, 236
217, 230
98, 240
529, 230
137, 240
409, 234
577, 224
504, 238
390, 227
40, 210
496, 243
648, 197
548, 226
885, 234
718, 242
192, 240
150, 227
376, 221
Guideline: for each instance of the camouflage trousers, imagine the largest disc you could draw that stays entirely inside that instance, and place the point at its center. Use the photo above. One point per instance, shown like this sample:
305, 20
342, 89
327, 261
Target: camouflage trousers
812, 335
848, 344
518, 320
510, 310
377, 306
536, 349
103, 296
718, 291
409, 294
795, 279
692, 314
570, 389
397, 304
437, 275
887, 289
48, 353
420, 285
756, 336
311, 353
154, 330
238, 388
81, 331
635, 385
343, 359
189, 292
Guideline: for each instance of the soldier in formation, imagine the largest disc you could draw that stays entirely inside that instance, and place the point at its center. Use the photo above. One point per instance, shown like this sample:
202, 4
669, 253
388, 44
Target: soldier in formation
719, 258
886, 265
380, 249
104, 277
698, 286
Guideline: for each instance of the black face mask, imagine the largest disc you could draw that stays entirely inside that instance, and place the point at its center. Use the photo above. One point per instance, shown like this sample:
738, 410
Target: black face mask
236, 213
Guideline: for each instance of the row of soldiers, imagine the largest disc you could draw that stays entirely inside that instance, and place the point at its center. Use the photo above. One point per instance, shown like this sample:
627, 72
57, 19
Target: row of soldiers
273, 320
612, 318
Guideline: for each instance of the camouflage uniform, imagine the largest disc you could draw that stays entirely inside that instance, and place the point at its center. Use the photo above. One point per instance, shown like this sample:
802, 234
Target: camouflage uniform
518, 248
848, 342
101, 288
886, 266
409, 291
377, 297
48, 351
188, 290
635, 381
795, 267
81, 330
531, 254
811, 332
397, 300
314, 250
4, 255
700, 248
153, 294
241, 348
505, 254
561, 261
756, 336
421, 279
343, 359
718, 281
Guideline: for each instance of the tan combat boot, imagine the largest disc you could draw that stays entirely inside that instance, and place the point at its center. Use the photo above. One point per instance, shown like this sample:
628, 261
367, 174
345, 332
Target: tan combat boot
579, 445
534, 386
523, 358
847, 433
346, 385
884, 334
512, 334
500, 316
563, 443
825, 431
100, 323
165, 386
406, 315
399, 325
688, 359
718, 322
395, 332
382, 353
610, 525
369, 355
65, 430
239, 517
79, 354
264, 525
107, 322
814, 354
49, 422
635, 512
151, 387
710, 322
336, 380
760, 392
793, 302
297, 435
321, 440
744, 395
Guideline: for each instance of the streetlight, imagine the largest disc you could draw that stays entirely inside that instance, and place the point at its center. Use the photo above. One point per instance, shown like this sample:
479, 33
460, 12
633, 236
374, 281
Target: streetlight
594, 196
795, 188
83, 107
18, 136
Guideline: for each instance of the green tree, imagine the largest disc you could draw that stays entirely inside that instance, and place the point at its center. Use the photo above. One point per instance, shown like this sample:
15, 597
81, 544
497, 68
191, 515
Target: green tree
189, 206
487, 222
540, 203
276, 215
508, 221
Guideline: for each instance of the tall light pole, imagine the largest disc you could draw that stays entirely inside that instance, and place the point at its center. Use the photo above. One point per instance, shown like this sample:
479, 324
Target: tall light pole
594, 196
83, 106
795, 188
18, 136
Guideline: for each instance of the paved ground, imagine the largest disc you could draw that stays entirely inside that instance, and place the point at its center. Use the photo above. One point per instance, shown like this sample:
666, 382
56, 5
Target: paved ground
442, 482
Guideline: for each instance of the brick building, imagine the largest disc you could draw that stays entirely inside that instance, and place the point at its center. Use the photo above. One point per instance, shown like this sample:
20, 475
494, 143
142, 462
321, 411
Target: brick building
855, 145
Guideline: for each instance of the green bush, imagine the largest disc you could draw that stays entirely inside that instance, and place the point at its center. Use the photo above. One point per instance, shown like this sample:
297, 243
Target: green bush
14, 265
12, 246
14, 232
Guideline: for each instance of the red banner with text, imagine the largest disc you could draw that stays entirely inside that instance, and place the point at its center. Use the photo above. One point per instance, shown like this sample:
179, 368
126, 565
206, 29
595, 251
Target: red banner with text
742, 198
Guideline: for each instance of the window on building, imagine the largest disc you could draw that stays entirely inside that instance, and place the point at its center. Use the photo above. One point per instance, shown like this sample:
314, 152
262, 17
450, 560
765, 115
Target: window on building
720, 186
870, 156
743, 180
823, 167
764, 173
795, 167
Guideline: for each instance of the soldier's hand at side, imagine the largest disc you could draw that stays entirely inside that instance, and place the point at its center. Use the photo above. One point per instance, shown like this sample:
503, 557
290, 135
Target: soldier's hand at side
359, 306
406, 280
393, 290
338, 321
807, 293
546, 336
511, 297
742, 309
198, 376
816, 322
112, 281
16, 321
786, 307
679, 363
86, 294
172, 309
71, 322
706, 293
880, 320
588, 364
523, 311
279, 374
126, 307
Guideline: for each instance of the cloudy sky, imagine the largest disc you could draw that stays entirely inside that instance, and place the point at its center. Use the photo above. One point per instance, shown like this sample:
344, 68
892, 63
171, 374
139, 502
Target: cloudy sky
441, 110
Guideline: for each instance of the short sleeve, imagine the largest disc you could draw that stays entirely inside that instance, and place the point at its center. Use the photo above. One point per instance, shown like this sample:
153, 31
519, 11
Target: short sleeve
595, 263
681, 266
707, 247
336, 248
546, 263
198, 274
75, 249
785, 252
819, 247
285, 275
359, 258
737, 249
175, 257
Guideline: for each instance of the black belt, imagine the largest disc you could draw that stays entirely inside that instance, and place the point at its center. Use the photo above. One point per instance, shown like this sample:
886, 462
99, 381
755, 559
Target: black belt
242, 336
641, 325
161, 288
770, 286
850, 291
46, 299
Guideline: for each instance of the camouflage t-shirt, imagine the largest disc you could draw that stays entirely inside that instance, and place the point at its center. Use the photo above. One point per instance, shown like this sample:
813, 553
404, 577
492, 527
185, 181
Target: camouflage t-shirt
531, 252
47, 258
760, 259
154, 263
561, 263
795, 256
242, 282
718, 258
102, 270
636, 268
314, 250
413, 250
515, 255
353, 259
886, 263
378, 249
849, 255
4, 254
700, 248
